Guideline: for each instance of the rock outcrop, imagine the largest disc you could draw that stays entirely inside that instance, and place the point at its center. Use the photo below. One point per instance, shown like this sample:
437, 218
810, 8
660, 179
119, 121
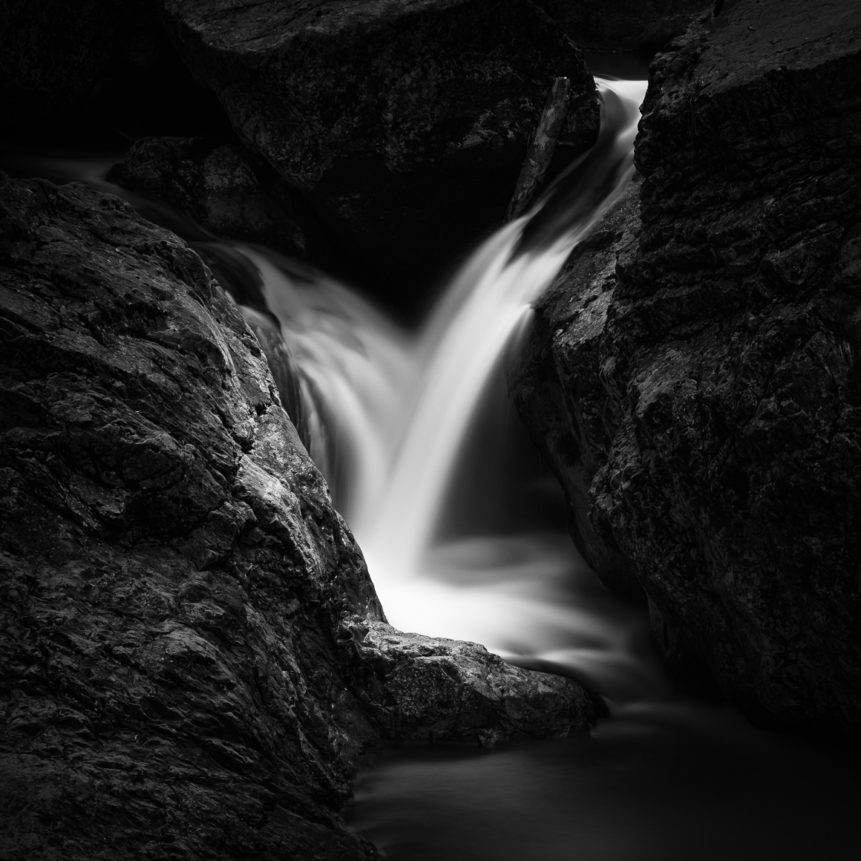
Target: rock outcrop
706, 413
213, 183
403, 124
192, 655
624, 25
430, 689
94, 71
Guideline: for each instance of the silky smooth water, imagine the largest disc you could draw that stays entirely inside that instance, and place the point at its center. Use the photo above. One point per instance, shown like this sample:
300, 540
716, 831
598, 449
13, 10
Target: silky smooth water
667, 782
464, 533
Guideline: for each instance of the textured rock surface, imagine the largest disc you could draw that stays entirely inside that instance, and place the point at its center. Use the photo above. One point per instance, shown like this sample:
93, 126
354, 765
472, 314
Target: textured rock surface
560, 394
404, 123
214, 184
434, 689
624, 24
709, 419
178, 676
172, 567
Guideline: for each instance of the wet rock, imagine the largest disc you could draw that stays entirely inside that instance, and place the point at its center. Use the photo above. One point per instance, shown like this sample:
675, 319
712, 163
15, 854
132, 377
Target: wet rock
175, 681
404, 124
706, 371
427, 689
559, 394
215, 184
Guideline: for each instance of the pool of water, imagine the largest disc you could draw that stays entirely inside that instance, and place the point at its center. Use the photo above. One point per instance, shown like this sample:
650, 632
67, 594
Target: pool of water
653, 783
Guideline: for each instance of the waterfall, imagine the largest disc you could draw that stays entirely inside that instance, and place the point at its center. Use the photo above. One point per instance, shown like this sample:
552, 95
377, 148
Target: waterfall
464, 534
462, 529
400, 416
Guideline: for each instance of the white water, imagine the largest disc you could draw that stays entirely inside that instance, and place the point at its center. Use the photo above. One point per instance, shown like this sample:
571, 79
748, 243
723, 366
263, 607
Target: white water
414, 431
457, 546
463, 538
401, 410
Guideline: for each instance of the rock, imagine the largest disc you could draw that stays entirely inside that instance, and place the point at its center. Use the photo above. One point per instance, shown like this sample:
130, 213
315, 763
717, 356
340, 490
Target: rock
559, 394
706, 377
433, 689
404, 125
93, 72
172, 567
625, 25
174, 582
214, 184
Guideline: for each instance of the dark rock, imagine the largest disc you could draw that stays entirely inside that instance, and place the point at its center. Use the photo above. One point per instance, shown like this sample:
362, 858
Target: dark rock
175, 586
93, 71
214, 184
404, 124
560, 396
432, 689
632, 25
709, 422
172, 567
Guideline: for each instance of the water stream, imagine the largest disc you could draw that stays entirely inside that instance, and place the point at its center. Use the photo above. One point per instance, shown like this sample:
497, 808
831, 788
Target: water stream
464, 533
462, 527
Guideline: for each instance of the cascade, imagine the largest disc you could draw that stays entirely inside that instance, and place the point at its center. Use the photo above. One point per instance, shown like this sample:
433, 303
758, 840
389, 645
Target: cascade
463, 538
402, 408
464, 535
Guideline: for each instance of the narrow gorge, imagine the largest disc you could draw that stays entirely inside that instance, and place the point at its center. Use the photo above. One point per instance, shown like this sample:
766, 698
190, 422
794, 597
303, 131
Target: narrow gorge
344, 517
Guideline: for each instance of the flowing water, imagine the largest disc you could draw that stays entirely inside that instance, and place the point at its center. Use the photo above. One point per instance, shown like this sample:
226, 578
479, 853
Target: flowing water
464, 534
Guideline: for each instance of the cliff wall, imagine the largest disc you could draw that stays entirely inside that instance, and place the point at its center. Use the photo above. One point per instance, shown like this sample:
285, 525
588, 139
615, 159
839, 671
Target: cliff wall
703, 348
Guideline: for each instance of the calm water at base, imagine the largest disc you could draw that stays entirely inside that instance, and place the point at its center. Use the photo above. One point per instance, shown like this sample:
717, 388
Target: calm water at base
650, 784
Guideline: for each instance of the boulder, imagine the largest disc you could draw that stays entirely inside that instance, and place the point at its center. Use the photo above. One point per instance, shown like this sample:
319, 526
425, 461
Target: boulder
705, 374
214, 183
432, 689
403, 124
181, 673
625, 25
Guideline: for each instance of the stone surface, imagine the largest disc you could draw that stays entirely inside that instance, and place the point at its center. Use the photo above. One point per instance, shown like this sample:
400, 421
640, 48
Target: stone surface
215, 184
181, 673
172, 567
434, 689
404, 124
643, 25
560, 395
707, 410
93, 71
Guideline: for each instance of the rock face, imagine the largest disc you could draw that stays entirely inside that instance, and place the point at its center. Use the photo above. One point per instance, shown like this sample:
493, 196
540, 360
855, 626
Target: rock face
643, 25
705, 410
404, 124
213, 183
192, 655
171, 564
560, 394
93, 70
